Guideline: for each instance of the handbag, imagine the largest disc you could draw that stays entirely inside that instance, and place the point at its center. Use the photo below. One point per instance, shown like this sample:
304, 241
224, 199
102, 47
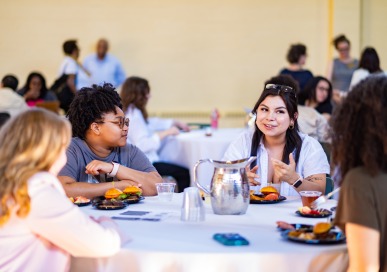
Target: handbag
63, 92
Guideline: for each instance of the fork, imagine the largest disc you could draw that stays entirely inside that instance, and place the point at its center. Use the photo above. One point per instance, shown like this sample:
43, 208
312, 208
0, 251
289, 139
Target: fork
323, 199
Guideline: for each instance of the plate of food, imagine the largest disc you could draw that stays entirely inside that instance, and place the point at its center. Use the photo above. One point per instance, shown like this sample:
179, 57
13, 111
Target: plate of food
80, 201
321, 233
282, 226
115, 199
318, 213
268, 195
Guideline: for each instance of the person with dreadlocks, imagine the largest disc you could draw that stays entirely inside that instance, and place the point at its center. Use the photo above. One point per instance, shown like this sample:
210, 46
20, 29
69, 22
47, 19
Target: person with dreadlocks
98, 152
359, 129
284, 155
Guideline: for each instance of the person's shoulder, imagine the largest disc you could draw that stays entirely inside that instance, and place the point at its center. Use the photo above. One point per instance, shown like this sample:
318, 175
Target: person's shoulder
356, 177
41, 179
284, 71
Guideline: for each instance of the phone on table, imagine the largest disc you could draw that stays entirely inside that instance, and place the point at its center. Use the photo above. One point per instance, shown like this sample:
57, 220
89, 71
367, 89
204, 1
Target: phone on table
231, 239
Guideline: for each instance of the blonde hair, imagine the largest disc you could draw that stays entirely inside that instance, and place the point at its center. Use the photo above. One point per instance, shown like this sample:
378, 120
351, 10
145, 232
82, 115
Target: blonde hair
29, 143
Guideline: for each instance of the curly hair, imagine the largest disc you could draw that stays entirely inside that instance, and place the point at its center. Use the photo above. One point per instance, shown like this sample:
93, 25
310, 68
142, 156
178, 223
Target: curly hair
295, 52
89, 105
358, 128
134, 91
293, 139
43, 138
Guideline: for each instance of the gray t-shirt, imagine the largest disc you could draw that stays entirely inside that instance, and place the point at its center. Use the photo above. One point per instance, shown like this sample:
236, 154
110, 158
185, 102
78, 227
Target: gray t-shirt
79, 155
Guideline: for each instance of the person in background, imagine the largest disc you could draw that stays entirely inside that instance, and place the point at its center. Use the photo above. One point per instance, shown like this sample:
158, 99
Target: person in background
147, 133
284, 155
39, 227
359, 142
369, 65
318, 95
98, 153
297, 57
340, 70
69, 65
10, 101
103, 67
35, 90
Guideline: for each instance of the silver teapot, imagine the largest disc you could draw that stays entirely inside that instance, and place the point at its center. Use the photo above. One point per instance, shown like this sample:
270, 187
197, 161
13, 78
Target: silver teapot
229, 189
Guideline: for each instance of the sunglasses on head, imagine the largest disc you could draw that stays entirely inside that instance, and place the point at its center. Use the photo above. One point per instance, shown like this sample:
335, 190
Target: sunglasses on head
280, 88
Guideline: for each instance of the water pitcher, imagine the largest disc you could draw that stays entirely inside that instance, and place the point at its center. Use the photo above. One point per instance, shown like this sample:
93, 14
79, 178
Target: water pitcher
229, 189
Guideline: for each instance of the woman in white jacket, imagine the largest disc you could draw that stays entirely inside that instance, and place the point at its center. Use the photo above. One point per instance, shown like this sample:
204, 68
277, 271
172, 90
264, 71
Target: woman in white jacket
147, 133
39, 227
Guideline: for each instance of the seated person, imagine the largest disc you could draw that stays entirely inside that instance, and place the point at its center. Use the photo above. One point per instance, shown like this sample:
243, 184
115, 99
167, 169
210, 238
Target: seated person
98, 152
360, 154
284, 155
318, 94
39, 227
35, 90
10, 101
147, 133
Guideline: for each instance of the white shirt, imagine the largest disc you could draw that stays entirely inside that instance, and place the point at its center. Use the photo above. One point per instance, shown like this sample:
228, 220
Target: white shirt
312, 160
142, 134
68, 66
361, 74
11, 102
53, 230
313, 123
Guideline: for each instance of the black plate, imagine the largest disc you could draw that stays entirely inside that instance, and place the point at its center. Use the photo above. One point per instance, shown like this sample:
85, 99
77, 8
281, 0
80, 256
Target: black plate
98, 199
325, 213
119, 206
82, 204
335, 237
299, 227
281, 198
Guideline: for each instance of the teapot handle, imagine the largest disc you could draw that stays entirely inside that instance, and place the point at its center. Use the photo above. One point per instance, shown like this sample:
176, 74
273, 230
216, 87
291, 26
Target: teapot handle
196, 175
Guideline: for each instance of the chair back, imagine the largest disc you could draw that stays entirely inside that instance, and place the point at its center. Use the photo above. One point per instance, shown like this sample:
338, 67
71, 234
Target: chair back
49, 105
329, 184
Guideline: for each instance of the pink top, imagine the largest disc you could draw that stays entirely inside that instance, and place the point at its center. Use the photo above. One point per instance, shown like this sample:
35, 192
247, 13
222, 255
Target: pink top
53, 230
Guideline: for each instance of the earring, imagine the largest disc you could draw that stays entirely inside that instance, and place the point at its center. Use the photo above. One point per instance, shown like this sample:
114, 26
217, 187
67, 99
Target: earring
291, 126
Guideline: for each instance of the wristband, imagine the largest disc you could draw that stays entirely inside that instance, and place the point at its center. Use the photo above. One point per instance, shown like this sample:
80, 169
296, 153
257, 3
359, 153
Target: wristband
297, 183
113, 173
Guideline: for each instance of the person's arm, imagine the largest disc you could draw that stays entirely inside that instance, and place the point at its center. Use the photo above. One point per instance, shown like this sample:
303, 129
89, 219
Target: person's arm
363, 248
287, 173
55, 218
71, 83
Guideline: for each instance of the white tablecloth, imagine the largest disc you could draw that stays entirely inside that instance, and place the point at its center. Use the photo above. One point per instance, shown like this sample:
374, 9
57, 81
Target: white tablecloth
173, 245
186, 149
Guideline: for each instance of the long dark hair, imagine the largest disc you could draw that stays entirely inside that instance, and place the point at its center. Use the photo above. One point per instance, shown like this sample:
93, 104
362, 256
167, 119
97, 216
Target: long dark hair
135, 91
293, 139
359, 129
43, 90
309, 93
369, 60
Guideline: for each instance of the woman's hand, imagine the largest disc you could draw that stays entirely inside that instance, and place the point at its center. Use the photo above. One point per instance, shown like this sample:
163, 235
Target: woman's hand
252, 175
96, 167
285, 172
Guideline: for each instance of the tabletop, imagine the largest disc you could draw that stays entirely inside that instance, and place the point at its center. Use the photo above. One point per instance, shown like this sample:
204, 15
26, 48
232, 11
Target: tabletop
174, 245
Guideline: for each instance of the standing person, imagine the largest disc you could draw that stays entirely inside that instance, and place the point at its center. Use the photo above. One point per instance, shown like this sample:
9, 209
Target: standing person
359, 130
35, 90
318, 95
147, 133
10, 101
369, 65
341, 69
297, 57
284, 155
98, 154
39, 227
68, 73
104, 67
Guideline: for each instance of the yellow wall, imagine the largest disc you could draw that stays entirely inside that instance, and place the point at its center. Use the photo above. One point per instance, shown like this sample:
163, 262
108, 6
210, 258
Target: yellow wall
196, 54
